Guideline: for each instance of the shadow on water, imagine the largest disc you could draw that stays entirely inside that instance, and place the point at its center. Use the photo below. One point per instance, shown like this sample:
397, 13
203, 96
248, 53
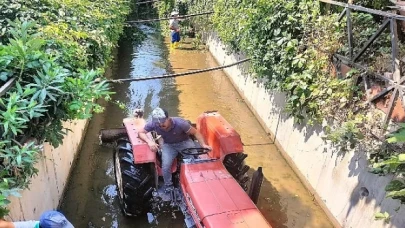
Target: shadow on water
274, 207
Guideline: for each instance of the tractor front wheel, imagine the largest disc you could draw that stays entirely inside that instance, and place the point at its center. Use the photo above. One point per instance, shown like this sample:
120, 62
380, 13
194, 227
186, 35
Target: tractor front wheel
134, 181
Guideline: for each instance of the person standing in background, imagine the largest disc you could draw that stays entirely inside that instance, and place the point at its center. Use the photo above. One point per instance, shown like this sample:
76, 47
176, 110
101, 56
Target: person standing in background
174, 29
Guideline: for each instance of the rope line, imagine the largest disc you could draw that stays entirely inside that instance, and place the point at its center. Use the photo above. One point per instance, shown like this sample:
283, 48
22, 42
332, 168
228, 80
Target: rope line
168, 18
178, 74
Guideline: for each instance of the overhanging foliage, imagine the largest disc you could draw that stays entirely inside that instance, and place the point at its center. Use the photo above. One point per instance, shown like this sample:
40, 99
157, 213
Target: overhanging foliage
57, 52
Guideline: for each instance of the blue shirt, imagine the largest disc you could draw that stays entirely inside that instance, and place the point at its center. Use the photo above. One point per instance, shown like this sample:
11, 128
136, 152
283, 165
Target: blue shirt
26, 224
177, 132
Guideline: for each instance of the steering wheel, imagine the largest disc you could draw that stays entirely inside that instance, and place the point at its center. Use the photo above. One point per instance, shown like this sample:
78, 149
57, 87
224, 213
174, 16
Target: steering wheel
195, 151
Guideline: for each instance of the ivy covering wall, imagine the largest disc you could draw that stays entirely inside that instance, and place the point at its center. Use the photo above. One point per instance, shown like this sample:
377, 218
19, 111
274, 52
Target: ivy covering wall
291, 44
56, 51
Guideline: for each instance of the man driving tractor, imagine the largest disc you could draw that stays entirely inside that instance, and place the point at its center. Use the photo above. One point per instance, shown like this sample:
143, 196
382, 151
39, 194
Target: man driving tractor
175, 132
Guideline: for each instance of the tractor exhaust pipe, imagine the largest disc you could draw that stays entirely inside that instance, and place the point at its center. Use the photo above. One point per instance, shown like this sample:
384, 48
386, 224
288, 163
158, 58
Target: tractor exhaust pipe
111, 135
255, 185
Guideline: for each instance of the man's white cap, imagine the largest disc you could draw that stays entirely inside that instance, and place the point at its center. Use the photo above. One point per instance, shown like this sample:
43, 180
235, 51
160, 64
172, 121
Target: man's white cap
159, 115
174, 13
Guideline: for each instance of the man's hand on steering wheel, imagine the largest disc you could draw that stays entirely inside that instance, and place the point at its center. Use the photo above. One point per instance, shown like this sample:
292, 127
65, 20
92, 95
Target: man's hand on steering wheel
153, 146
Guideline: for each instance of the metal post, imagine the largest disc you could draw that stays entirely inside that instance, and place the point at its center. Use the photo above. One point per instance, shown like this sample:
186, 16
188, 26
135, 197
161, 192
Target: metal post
394, 97
394, 50
366, 86
349, 33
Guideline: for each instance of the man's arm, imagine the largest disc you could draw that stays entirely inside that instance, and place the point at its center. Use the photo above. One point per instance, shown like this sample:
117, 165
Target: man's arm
5, 224
19, 224
142, 135
172, 27
199, 137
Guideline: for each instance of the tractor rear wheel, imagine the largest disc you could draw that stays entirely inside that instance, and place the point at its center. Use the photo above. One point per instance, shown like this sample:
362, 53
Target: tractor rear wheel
235, 165
134, 181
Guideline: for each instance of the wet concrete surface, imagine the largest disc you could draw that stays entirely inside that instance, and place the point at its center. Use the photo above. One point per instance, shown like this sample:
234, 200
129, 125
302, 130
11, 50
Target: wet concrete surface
91, 196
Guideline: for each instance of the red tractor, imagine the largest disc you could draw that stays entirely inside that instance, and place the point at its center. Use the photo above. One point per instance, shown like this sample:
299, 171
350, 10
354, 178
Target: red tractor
210, 186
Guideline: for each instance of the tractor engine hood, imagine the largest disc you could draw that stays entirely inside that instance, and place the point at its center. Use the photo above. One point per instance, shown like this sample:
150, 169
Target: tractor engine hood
217, 198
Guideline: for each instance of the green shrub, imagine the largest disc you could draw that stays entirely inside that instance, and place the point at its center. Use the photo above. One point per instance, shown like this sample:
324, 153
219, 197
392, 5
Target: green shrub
291, 45
57, 52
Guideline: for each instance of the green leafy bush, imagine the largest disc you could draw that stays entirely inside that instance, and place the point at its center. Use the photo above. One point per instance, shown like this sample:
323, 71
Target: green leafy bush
164, 8
56, 52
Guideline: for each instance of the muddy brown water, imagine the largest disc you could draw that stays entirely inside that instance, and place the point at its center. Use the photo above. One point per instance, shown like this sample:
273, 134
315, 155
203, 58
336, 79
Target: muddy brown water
91, 196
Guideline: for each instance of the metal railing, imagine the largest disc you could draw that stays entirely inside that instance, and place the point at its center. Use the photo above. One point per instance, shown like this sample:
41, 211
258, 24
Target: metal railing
395, 83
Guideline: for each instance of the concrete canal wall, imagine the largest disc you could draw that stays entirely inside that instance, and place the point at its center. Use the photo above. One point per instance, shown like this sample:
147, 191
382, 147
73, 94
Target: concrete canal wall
47, 187
341, 184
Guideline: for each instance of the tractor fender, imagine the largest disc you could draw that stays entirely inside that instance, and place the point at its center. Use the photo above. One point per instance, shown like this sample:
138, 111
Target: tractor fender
140, 149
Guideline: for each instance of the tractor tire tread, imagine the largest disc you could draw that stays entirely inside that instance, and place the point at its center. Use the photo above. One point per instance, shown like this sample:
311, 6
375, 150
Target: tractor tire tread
235, 165
136, 179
